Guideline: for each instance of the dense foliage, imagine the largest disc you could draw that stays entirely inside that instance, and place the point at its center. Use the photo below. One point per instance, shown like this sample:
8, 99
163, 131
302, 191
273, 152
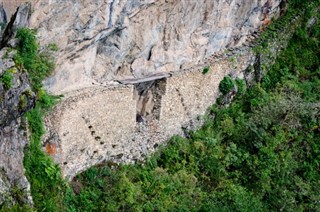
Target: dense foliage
261, 153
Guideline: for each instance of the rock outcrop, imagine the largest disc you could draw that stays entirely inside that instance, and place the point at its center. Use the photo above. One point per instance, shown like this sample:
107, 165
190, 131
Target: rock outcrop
10, 7
16, 98
3, 17
101, 41
18, 20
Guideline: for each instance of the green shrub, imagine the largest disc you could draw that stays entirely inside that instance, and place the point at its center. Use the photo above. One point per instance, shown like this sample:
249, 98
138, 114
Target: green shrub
38, 64
6, 79
28, 46
241, 86
16, 208
226, 85
206, 70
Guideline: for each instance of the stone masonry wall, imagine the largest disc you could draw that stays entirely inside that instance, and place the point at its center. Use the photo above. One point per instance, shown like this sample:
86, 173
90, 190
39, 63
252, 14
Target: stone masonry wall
89, 126
99, 124
189, 94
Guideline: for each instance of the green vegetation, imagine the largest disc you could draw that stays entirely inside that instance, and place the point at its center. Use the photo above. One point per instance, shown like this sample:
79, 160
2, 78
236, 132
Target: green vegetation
261, 153
38, 64
53, 47
226, 85
206, 69
23, 102
6, 55
241, 86
6, 79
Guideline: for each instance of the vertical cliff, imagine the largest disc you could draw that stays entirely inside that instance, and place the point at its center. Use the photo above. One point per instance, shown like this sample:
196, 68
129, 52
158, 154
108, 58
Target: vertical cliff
10, 6
102, 41
16, 98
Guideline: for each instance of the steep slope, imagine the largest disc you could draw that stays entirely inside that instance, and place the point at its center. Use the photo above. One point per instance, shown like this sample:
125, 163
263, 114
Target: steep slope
16, 98
10, 6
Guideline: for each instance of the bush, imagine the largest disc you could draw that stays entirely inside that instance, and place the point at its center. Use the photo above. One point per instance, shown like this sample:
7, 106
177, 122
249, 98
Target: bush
241, 87
6, 79
206, 70
226, 85
38, 64
53, 47
27, 47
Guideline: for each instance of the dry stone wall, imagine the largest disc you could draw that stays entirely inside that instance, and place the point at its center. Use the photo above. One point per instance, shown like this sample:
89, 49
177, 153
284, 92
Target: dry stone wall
190, 93
91, 125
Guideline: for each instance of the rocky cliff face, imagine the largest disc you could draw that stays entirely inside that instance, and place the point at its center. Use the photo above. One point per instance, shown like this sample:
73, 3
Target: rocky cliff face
10, 7
102, 41
16, 98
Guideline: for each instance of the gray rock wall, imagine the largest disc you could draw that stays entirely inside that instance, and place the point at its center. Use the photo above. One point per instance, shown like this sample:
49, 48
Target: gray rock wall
101, 41
16, 98
10, 6
14, 102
